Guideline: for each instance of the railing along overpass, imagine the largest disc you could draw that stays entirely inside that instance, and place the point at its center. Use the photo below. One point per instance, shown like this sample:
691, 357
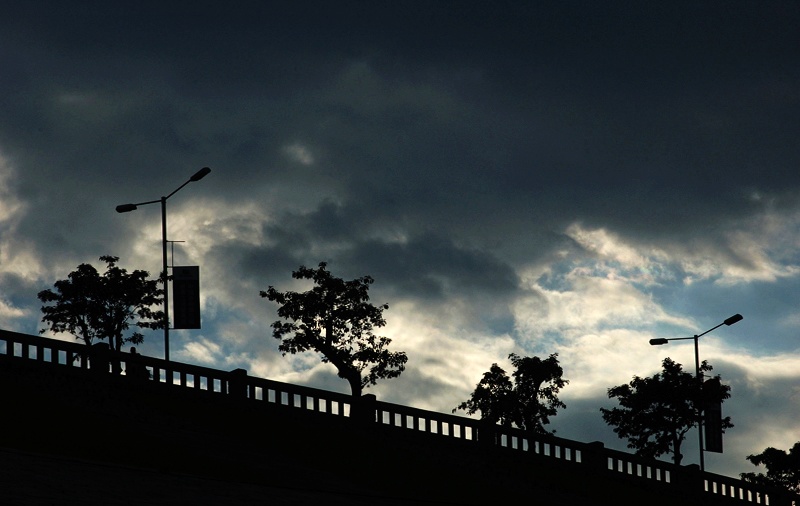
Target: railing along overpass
615, 472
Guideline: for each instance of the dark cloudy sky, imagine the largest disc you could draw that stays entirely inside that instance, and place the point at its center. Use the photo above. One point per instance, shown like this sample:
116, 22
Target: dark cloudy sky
568, 177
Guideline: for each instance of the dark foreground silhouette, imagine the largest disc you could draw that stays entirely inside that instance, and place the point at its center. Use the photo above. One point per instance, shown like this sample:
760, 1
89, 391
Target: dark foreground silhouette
186, 433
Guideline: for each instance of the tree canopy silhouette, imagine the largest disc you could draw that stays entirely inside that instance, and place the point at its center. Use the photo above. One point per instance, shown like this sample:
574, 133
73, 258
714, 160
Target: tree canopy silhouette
655, 413
528, 402
783, 468
336, 319
92, 306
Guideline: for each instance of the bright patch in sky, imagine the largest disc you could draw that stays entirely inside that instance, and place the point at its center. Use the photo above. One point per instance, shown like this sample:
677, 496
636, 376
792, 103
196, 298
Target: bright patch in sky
300, 153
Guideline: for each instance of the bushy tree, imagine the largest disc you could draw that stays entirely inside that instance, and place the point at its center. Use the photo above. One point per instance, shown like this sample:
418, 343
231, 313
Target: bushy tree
336, 319
493, 397
655, 413
92, 306
527, 402
783, 468
537, 383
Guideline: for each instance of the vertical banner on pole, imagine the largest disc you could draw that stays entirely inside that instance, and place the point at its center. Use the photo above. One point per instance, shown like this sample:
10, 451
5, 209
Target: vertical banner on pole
713, 415
186, 297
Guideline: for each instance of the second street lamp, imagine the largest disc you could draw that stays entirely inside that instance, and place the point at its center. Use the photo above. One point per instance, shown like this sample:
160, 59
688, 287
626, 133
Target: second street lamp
125, 208
659, 341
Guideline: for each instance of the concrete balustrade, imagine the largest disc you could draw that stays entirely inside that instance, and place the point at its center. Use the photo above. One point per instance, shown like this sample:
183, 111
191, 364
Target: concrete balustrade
572, 459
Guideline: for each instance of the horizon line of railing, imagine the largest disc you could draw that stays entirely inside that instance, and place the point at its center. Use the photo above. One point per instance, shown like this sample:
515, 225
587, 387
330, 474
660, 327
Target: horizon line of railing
238, 383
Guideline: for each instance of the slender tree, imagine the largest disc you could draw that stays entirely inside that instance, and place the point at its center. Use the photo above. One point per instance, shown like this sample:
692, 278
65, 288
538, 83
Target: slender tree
655, 413
783, 468
92, 306
336, 319
528, 402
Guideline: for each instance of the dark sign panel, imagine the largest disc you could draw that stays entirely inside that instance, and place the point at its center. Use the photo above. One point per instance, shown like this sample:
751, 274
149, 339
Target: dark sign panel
186, 297
712, 416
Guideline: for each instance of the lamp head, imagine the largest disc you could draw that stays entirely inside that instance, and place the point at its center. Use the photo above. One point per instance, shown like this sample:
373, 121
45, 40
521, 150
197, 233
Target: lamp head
733, 319
200, 174
126, 208
658, 341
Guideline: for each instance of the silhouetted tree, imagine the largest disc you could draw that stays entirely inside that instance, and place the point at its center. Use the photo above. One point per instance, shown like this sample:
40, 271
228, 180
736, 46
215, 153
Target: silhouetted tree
336, 319
92, 306
537, 383
493, 397
655, 413
783, 468
528, 402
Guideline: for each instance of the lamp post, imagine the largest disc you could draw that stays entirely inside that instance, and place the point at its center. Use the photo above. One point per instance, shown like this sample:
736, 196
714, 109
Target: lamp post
659, 341
125, 208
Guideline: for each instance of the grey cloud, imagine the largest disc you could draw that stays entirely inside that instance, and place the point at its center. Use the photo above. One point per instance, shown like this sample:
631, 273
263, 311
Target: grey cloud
529, 147
428, 260
431, 266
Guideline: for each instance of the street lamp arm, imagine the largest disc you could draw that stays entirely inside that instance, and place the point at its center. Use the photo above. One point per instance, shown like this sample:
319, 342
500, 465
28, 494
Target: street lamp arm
709, 330
197, 176
176, 191
663, 340
126, 208
730, 321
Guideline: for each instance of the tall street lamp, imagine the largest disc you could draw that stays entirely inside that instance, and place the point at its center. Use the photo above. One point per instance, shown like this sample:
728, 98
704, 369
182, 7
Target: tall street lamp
659, 341
125, 208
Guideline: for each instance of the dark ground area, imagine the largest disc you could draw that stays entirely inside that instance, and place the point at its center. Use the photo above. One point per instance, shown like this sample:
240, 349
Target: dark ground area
38, 480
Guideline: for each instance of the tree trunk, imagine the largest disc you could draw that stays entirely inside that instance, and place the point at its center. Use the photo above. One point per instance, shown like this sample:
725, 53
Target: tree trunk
355, 386
677, 457
353, 376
